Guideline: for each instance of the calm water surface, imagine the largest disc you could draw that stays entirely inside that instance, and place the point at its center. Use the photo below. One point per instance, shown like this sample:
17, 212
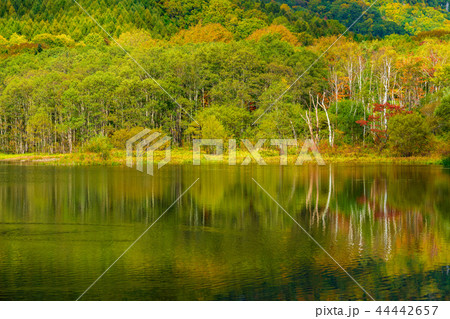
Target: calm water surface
387, 225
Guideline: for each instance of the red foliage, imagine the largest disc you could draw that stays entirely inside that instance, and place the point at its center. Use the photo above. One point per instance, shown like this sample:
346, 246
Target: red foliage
251, 106
377, 121
362, 122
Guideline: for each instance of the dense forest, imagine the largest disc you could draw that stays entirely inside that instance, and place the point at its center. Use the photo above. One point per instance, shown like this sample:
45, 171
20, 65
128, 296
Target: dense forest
384, 84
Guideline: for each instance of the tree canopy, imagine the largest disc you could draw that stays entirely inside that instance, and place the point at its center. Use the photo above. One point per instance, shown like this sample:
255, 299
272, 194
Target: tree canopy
65, 82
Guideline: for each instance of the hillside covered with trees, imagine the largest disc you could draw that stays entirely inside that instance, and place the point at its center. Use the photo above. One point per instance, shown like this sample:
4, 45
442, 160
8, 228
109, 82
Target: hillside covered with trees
384, 85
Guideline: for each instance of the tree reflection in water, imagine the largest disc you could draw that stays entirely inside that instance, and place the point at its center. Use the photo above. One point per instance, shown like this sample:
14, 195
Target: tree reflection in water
387, 225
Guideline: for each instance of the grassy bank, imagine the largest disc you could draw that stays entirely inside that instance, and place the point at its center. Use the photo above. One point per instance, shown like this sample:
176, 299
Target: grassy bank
181, 156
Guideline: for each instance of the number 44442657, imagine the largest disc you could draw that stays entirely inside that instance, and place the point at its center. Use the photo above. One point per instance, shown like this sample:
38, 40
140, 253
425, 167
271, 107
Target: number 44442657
408, 310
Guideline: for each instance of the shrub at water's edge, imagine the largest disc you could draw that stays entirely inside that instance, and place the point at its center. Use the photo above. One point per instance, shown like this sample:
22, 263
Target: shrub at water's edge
408, 135
99, 145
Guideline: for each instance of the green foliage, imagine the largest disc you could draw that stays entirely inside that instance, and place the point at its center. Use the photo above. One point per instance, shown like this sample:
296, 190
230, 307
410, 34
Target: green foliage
39, 129
408, 135
219, 11
225, 61
50, 40
443, 114
273, 48
414, 18
247, 26
163, 19
348, 112
446, 161
120, 137
211, 128
100, 145
94, 40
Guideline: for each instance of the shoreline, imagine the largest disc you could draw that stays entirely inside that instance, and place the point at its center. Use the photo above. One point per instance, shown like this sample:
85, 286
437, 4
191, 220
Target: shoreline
184, 157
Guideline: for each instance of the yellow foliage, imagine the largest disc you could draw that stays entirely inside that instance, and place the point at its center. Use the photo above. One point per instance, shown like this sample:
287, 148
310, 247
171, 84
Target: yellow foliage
214, 32
285, 7
425, 18
3, 41
285, 34
17, 39
137, 39
323, 43
54, 40
341, 51
446, 25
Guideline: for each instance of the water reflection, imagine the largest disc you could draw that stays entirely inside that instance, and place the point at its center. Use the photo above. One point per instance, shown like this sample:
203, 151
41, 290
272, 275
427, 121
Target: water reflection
387, 225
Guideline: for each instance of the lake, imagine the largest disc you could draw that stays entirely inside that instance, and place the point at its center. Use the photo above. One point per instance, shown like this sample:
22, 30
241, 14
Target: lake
388, 226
